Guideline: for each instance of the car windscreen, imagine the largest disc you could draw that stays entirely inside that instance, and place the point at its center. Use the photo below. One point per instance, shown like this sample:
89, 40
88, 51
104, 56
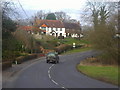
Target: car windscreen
51, 54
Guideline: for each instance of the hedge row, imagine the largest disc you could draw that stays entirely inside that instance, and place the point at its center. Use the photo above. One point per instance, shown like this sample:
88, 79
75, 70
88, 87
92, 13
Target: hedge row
65, 47
41, 55
21, 59
62, 48
6, 65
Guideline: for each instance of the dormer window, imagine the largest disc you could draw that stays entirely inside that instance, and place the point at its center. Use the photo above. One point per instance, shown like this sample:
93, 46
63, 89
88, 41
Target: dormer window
51, 28
43, 28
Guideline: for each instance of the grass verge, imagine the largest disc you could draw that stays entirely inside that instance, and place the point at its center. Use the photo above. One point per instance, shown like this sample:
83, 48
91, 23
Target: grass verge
103, 73
77, 50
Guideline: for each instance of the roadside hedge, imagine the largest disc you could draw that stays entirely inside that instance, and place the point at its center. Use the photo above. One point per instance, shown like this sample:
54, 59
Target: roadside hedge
41, 55
62, 48
24, 58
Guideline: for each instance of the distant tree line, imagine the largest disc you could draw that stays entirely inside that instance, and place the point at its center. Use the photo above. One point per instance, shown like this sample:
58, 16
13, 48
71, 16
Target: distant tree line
60, 15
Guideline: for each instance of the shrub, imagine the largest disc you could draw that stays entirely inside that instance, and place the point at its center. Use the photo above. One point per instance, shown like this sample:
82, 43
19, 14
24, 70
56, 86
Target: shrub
25, 58
10, 55
51, 43
63, 48
41, 55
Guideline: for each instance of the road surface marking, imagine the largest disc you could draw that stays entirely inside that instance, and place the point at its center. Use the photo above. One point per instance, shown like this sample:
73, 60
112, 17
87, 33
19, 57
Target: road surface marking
64, 88
51, 66
49, 76
52, 79
48, 71
54, 82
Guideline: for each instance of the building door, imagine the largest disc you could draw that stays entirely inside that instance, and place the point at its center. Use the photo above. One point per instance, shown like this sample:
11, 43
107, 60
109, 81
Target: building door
44, 32
60, 34
56, 34
53, 34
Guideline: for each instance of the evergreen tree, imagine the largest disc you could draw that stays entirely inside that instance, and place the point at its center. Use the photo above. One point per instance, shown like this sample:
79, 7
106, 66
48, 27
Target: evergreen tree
51, 16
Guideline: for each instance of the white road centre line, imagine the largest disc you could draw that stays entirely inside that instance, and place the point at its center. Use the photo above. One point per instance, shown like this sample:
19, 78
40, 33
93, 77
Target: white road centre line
54, 82
49, 76
52, 79
51, 67
48, 71
64, 88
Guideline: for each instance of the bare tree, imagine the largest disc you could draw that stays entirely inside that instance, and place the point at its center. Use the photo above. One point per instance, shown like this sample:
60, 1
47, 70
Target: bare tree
104, 14
27, 40
9, 10
102, 36
39, 15
62, 16
92, 14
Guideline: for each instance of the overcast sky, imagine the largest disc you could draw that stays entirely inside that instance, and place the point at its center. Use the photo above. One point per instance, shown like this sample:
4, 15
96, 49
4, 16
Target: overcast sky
72, 7
52, 4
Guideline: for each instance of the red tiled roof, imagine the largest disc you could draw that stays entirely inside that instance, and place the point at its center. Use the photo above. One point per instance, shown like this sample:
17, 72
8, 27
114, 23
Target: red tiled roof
50, 23
27, 28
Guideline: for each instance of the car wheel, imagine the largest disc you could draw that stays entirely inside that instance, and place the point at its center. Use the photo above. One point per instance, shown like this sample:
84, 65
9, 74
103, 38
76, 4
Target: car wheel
47, 61
55, 62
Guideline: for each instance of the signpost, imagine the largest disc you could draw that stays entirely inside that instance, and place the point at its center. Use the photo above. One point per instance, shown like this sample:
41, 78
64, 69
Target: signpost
73, 45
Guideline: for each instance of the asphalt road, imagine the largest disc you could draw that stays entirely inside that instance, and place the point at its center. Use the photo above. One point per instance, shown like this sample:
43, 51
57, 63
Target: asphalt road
62, 75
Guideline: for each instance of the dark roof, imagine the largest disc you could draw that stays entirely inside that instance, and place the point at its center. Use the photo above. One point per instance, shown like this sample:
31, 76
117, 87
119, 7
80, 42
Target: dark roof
75, 26
51, 23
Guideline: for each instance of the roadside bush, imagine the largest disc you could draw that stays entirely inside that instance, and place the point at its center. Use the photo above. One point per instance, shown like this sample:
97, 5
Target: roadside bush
24, 58
40, 55
63, 48
79, 45
10, 55
103, 40
49, 44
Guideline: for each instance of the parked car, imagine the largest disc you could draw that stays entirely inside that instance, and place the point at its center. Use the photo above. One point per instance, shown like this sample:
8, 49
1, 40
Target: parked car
52, 57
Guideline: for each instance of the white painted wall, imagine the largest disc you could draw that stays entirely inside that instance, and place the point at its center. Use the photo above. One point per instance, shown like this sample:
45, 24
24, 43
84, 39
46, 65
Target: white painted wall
74, 35
81, 35
59, 30
54, 29
47, 31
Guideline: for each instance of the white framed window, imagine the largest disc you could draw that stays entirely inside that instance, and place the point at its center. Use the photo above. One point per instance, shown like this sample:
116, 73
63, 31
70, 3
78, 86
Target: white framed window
47, 29
56, 29
60, 29
44, 28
